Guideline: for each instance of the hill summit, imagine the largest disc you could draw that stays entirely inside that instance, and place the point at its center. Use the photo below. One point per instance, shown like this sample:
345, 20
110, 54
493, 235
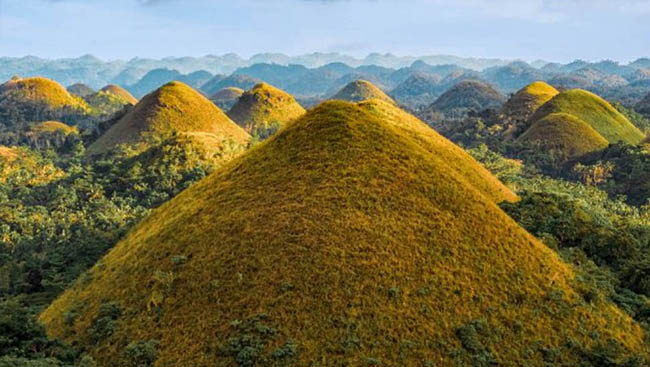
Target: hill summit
527, 100
468, 95
355, 236
361, 90
265, 108
227, 97
595, 111
173, 108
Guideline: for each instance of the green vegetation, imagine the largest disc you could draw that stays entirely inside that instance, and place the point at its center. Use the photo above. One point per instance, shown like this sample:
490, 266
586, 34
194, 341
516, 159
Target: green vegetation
593, 110
358, 234
120, 92
361, 90
175, 107
264, 109
80, 89
644, 106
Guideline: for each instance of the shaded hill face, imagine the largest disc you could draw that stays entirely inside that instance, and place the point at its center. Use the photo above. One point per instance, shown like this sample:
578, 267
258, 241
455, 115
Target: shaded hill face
526, 101
593, 110
644, 106
153, 80
37, 99
217, 83
265, 107
81, 90
349, 236
419, 89
175, 107
361, 90
227, 97
120, 92
469, 95
565, 135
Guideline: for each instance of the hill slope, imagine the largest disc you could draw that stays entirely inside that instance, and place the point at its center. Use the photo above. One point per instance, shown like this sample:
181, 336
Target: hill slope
349, 238
644, 106
175, 107
593, 110
118, 91
566, 135
265, 107
527, 100
468, 95
80, 89
361, 90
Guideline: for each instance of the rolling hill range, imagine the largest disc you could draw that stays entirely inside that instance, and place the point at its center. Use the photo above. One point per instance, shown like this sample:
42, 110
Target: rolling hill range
361, 90
37, 99
173, 108
593, 110
318, 269
468, 95
264, 109
227, 97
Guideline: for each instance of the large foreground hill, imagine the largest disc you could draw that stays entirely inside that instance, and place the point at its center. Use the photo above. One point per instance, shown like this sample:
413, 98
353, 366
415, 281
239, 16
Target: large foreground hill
355, 236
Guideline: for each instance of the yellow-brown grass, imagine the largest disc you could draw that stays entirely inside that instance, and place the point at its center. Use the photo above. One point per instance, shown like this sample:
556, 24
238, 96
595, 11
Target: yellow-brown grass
175, 107
265, 106
23, 167
118, 91
565, 135
42, 91
49, 127
527, 100
357, 232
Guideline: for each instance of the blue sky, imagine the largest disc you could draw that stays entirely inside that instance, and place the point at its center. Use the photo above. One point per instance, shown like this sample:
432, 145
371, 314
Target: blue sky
554, 30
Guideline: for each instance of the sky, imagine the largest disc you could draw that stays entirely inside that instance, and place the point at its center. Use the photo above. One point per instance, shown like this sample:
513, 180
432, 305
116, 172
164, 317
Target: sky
552, 30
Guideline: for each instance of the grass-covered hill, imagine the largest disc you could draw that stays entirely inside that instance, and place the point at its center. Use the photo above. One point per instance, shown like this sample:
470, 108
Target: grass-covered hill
226, 97
565, 135
418, 89
118, 91
220, 82
468, 95
361, 90
80, 89
173, 108
53, 127
265, 109
353, 237
595, 111
527, 100
24, 100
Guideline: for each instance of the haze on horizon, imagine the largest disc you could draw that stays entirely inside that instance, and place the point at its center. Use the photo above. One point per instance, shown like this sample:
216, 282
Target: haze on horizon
552, 30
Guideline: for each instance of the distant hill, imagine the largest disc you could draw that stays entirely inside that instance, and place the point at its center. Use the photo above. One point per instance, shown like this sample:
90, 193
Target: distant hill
264, 109
356, 236
153, 80
644, 106
361, 90
593, 110
80, 90
468, 95
527, 100
37, 99
219, 82
512, 77
227, 97
563, 135
173, 108
418, 89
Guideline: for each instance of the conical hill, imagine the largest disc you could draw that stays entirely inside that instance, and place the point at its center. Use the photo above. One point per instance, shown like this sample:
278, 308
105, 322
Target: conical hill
349, 238
361, 90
